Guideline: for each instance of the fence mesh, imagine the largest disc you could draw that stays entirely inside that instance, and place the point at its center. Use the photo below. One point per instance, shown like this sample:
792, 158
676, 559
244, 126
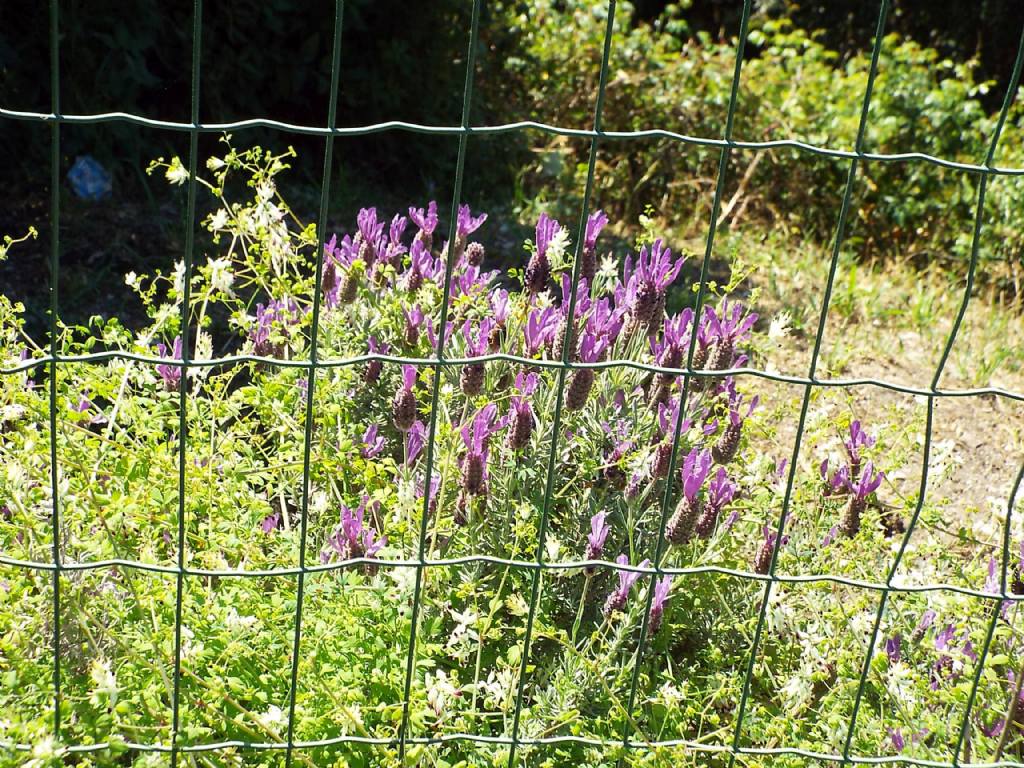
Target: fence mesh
726, 144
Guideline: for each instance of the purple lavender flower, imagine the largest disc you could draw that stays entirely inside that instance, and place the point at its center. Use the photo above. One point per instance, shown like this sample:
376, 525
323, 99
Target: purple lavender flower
860, 490
668, 352
896, 736
373, 443
466, 224
729, 325
617, 599
170, 374
695, 469
728, 444
369, 240
415, 440
595, 223
830, 537
763, 559
471, 378
422, 266
273, 320
927, 619
499, 305
588, 264
403, 408
721, 490
838, 482
476, 343
271, 522
352, 538
661, 590
582, 382
892, 648
538, 270
599, 530
413, 322
394, 247
435, 486
432, 334
476, 437
539, 329
858, 439
994, 730
427, 222
646, 284
547, 228
521, 415
993, 585
606, 320
471, 282
374, 367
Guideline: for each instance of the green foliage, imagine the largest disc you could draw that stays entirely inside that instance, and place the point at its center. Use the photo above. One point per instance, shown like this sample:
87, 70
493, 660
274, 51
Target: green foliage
792, 88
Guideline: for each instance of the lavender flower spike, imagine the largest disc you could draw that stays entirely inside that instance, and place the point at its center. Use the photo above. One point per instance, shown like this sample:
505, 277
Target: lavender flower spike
860, 490
588, 264
476, 436
729, 325
373, 443
763, 559
591, 350
352, 538
170, 374
415, 439
538, 270
599, 530
721, 490
427, 222
661, 590
617, 599
694, 471
521, 414
858, 439
403, 409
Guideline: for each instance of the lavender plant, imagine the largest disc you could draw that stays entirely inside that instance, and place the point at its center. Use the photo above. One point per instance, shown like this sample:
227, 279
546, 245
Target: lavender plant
663, 465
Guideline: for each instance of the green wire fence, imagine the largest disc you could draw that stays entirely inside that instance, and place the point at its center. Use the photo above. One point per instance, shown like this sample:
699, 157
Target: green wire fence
726, 144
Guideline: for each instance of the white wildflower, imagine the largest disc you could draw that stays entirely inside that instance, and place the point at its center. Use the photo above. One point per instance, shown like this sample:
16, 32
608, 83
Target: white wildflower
780, 326
104, 683
237, 623
553, 546
273, 718
179, 276
439, 690
221, 276
609, 269
219, 220
176, 172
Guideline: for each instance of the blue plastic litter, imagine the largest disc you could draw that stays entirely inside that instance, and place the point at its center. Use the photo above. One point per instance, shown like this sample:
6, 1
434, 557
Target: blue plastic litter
89, 180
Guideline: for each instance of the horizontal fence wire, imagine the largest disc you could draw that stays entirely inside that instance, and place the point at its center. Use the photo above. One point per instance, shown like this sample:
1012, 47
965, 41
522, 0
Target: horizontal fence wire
520, 126
727, 144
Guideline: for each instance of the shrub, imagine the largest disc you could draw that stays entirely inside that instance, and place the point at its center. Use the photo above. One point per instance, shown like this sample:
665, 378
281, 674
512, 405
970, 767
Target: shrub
792, 87
489, 501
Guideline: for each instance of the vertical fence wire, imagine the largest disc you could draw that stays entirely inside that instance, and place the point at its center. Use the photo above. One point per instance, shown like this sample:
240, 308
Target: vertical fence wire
564, 367
667, 496
183, 383
808, 389
435, 394
55, 349
307, 436
568, 343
